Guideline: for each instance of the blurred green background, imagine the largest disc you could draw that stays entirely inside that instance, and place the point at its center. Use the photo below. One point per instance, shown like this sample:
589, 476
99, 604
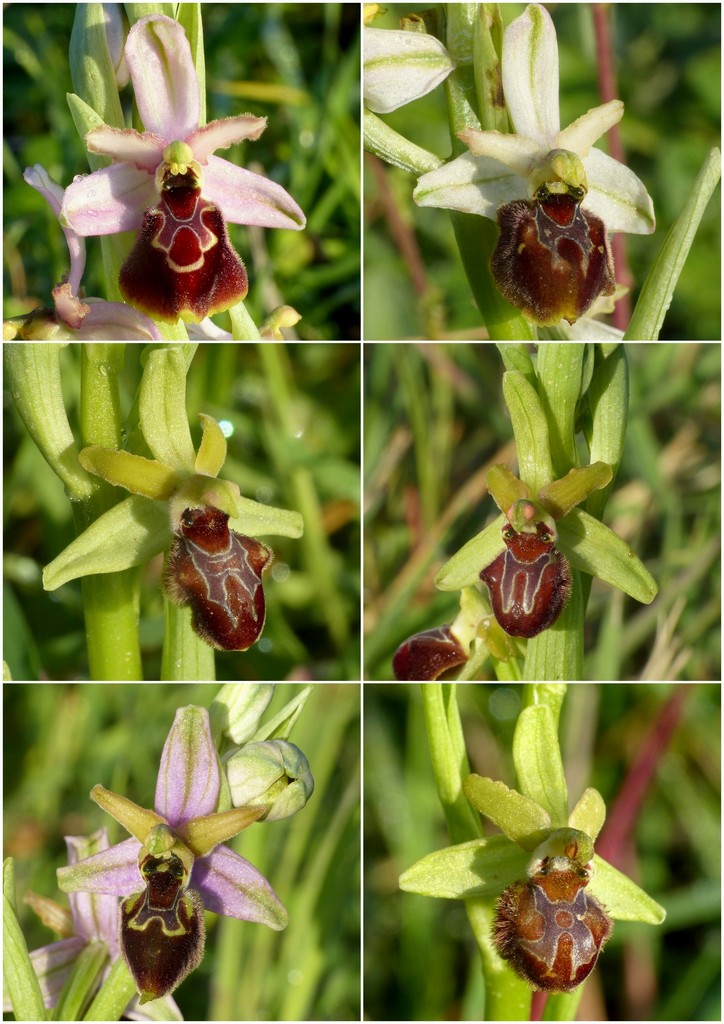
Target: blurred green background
420, 960
668, 66
60, 740
297, 64
435, 421
293, 412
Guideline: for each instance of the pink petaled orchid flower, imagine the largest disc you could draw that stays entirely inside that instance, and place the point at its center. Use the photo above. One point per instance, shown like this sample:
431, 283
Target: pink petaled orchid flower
176, 863
166, 182
91, 918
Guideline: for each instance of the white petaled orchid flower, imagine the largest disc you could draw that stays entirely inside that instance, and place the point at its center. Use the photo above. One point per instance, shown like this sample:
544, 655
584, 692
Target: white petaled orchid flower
400, 67
553, 194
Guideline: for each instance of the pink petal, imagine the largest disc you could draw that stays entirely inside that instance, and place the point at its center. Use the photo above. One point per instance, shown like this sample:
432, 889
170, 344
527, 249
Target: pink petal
115, 321
145, 150
164, 79
224, 133
188, 779
232, 886
247, 198
107, 201
113, 871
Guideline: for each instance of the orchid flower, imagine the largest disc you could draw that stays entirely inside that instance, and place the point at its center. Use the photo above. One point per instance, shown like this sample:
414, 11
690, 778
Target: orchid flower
92, 918
554, 194
176, 864
166, 182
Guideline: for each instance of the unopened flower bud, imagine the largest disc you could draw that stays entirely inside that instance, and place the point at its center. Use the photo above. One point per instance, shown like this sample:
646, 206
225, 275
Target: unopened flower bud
273, 774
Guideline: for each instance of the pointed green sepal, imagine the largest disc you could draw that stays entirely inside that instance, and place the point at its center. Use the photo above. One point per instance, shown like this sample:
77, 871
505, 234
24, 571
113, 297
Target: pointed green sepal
621, 897
481, 867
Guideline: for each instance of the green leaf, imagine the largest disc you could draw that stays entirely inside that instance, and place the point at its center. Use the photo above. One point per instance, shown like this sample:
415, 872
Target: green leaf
20, 979
538, 764
480, 867
33, 376
622, 899
658, 288
522, 820
591, 547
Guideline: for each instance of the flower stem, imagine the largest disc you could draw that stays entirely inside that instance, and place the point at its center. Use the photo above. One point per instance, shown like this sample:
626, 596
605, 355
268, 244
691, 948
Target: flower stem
506, 998
109, 605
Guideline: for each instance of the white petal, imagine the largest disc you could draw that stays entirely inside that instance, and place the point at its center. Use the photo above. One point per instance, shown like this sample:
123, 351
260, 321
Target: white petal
517, 152
401, 66
471, 184
580, 135
530, 75
617, 195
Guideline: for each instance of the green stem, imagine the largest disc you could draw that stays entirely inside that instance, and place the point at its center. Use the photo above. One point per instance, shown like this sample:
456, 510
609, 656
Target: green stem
185, 656
506, 997
109, 599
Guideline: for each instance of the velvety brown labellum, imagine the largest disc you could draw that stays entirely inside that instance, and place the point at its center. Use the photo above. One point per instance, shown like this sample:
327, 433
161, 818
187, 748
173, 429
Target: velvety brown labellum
427, 655
550, 929
162, 929
552, 258
218, 572
183, 264
529, 582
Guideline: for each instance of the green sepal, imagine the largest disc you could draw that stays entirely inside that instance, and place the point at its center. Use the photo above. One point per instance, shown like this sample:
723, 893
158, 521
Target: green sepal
463, 569
622, 898
128, 534
592, 547
538, 764
480, 867
521, 819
